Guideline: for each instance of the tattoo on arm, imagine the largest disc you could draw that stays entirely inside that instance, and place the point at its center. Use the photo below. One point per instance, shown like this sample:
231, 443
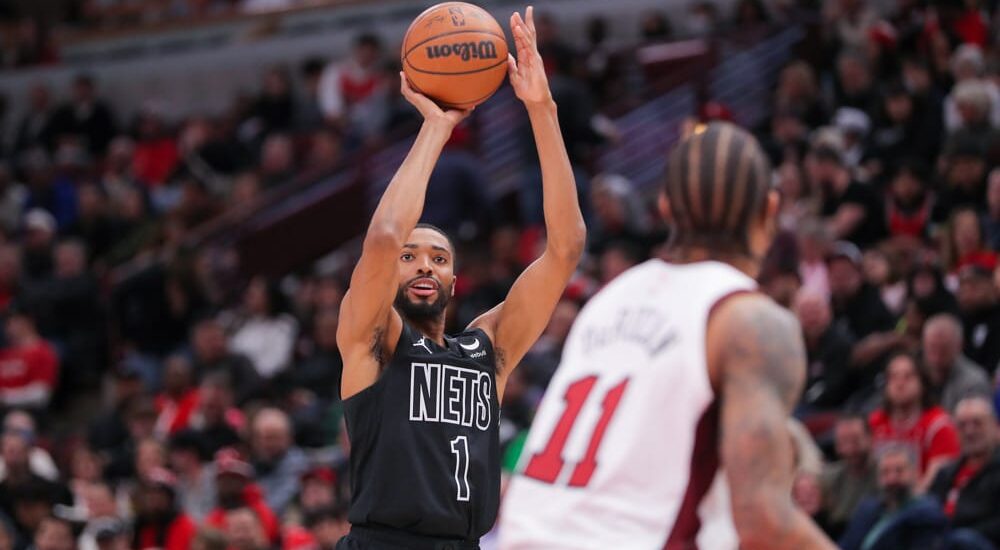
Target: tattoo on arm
764, 348
762, 370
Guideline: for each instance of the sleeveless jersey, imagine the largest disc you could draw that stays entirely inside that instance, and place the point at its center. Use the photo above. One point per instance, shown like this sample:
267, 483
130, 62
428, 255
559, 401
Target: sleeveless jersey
425, 451
623, 450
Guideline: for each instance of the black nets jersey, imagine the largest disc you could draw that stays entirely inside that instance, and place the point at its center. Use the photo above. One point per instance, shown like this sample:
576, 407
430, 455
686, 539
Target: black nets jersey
425, 449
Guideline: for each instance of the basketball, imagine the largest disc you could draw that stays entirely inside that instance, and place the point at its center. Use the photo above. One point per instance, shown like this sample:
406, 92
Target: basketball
456, 54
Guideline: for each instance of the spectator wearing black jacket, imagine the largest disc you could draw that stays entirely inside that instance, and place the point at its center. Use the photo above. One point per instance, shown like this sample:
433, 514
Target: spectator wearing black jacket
69, 312
969, 488
855, 302
828, 352
859, 306
977, 301
963, 181
902, 129
851, 210
35, 128
85, 118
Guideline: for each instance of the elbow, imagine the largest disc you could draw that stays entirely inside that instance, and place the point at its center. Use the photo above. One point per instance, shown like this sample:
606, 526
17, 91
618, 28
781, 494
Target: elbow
569, 248
760, 522
384, 236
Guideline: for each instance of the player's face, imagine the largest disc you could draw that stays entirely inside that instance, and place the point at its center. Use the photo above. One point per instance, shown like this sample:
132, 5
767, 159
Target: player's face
426, 274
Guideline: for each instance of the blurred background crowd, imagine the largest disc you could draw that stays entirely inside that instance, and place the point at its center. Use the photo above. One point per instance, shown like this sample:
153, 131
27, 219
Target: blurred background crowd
156, 394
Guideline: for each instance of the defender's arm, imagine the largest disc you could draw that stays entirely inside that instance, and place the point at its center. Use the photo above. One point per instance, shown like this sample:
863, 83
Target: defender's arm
756, 350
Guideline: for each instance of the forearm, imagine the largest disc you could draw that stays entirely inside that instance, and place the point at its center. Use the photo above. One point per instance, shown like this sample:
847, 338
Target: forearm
564, 226
402, 203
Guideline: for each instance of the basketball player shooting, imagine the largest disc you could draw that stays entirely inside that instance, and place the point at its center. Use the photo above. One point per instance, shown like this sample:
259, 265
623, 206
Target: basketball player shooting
422, 408
664, 426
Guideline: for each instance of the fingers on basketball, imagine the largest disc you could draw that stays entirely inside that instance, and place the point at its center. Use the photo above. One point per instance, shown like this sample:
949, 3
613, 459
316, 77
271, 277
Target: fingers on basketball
521, 39
511, 67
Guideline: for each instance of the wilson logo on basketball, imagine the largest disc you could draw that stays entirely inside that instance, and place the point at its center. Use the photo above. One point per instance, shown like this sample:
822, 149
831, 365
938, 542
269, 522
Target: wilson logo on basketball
484, 49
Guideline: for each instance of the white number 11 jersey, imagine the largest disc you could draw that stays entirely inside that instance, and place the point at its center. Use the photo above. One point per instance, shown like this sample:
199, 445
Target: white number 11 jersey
623, 451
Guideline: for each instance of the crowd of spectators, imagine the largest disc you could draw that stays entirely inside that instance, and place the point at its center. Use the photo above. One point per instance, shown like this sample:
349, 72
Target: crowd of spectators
156, 397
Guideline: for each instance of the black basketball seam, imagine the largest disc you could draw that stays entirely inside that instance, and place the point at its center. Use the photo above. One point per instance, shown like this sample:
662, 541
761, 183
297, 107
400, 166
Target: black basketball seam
451, 33
478, 99
493, 66
447, 104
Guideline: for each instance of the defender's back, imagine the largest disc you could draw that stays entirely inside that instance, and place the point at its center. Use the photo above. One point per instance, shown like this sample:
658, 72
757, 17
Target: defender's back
623, 450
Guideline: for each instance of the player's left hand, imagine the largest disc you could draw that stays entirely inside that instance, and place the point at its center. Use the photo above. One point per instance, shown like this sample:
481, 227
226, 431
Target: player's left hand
527, 73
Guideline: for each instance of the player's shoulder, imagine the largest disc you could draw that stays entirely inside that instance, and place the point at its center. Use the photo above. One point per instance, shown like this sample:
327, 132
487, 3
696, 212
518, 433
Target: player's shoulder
470, 335
751, 335
753, 313
473, 343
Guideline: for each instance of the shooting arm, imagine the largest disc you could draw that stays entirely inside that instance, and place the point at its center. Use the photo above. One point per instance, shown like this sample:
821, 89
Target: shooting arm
367, 321
515, 324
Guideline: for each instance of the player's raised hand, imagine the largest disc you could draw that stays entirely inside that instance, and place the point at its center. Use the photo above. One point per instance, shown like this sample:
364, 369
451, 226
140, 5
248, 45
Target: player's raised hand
428, 109
527, 73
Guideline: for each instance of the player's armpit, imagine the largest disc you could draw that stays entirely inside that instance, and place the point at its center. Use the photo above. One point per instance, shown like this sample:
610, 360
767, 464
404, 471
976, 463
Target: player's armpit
758, 363
515, 325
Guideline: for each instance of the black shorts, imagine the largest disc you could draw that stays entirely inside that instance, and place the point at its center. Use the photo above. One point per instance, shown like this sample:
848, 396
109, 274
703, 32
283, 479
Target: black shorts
368, 538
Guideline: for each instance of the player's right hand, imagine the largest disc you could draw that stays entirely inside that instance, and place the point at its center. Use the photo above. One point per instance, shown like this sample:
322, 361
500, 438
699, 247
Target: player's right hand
431, 112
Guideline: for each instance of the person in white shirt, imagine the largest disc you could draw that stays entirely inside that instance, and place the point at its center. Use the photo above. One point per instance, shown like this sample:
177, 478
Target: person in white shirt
263, 331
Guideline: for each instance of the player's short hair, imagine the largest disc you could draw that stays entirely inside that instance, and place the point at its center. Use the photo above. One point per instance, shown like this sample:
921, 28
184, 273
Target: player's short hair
432, 227
717, 184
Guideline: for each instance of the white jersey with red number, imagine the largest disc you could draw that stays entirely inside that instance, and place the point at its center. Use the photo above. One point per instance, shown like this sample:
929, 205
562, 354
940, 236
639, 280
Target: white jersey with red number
623, 450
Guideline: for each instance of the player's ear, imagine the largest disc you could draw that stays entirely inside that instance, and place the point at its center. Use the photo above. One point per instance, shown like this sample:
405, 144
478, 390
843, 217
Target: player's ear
453, 281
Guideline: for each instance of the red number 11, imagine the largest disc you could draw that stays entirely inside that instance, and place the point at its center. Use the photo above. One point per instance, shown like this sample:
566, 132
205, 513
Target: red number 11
546, 465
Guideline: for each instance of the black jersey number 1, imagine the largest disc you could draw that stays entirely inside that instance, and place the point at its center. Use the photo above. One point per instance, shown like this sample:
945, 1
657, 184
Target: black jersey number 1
460, 448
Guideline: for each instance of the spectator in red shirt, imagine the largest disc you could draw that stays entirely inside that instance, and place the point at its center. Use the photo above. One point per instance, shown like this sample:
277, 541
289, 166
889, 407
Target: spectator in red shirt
236, 489
159, 521
971, 26
908, 203
349, 91
29, 366
155, 156
908, 416
179, 400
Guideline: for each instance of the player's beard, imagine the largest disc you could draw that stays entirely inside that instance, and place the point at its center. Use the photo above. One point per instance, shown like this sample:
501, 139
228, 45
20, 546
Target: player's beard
421, 311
